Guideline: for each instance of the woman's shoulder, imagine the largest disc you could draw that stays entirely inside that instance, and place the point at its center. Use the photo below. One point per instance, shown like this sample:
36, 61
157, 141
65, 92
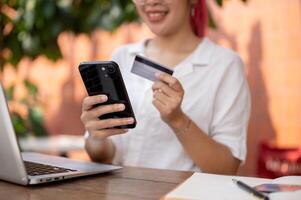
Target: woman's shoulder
216, 57
227, 63
222, 53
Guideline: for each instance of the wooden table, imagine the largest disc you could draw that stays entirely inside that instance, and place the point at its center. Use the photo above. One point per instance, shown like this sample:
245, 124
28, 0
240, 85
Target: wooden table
124, 184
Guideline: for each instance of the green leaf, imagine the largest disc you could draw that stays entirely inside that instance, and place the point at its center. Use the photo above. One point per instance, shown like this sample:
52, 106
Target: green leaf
219, 2
9, 93
35, 117
211, 21
19, 124
31, 88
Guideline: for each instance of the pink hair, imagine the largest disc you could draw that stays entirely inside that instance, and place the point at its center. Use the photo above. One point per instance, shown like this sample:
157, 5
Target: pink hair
199, 18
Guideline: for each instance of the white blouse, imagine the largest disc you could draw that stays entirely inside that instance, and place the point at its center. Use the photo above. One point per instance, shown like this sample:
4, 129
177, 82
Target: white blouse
216, 98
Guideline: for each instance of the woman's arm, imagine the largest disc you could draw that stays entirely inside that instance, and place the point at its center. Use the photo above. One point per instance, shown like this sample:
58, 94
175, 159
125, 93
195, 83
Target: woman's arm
100, 150
207, 154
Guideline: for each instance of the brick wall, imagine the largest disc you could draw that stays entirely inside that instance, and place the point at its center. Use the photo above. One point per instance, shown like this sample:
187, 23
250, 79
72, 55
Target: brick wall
267, 34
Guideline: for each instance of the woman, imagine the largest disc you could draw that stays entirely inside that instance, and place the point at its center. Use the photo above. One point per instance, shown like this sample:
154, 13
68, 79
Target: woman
194, 120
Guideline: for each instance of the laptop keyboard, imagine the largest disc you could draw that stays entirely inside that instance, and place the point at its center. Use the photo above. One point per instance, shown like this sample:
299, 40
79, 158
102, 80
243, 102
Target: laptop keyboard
35, 169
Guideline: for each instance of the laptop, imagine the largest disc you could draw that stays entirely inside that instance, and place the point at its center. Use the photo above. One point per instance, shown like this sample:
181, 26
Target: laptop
27, 168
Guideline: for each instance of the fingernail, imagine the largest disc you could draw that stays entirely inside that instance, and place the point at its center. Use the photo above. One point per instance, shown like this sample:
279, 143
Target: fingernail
121, 106
130, 120
103, 97
125, 130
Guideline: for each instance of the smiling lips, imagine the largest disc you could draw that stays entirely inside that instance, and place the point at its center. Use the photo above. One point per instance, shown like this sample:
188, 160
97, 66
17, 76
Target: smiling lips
156, 16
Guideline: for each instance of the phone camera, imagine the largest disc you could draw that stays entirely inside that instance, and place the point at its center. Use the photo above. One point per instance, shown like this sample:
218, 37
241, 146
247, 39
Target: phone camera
110, 69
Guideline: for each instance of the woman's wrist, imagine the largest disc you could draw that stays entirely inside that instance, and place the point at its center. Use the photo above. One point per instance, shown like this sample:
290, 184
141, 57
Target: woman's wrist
99, 149
181, 124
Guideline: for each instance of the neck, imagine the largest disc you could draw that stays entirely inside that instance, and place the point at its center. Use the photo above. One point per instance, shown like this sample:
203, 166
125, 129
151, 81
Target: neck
182, 41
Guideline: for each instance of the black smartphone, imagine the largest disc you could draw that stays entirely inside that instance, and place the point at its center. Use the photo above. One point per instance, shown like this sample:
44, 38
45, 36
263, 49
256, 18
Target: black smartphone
104, 77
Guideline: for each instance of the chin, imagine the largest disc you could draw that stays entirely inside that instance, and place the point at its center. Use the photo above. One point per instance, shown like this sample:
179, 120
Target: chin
160, 30
160, 33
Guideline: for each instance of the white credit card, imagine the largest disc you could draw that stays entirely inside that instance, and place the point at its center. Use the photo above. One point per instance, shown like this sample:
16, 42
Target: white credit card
148, 69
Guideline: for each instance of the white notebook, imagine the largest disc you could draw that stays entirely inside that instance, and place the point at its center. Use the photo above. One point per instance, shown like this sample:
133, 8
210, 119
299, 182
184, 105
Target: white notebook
202, 186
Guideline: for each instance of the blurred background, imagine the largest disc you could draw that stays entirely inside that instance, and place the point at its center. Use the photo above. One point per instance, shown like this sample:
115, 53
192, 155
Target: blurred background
43, 42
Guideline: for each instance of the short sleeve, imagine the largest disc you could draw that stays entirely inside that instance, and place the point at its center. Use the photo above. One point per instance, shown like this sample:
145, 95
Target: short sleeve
232, 109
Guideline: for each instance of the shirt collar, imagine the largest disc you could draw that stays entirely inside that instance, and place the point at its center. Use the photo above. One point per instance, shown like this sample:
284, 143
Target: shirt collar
138, 48
200, 57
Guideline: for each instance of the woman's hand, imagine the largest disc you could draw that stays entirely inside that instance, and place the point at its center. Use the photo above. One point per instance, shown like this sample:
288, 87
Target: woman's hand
98, 146
168, 95
105, 127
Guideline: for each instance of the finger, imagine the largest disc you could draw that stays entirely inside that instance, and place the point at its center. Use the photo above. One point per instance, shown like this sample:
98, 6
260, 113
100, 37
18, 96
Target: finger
163, 98
90, 101
108, 132
105, 109
98, 111
170, 80
165, 88
108, 123
159, 105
